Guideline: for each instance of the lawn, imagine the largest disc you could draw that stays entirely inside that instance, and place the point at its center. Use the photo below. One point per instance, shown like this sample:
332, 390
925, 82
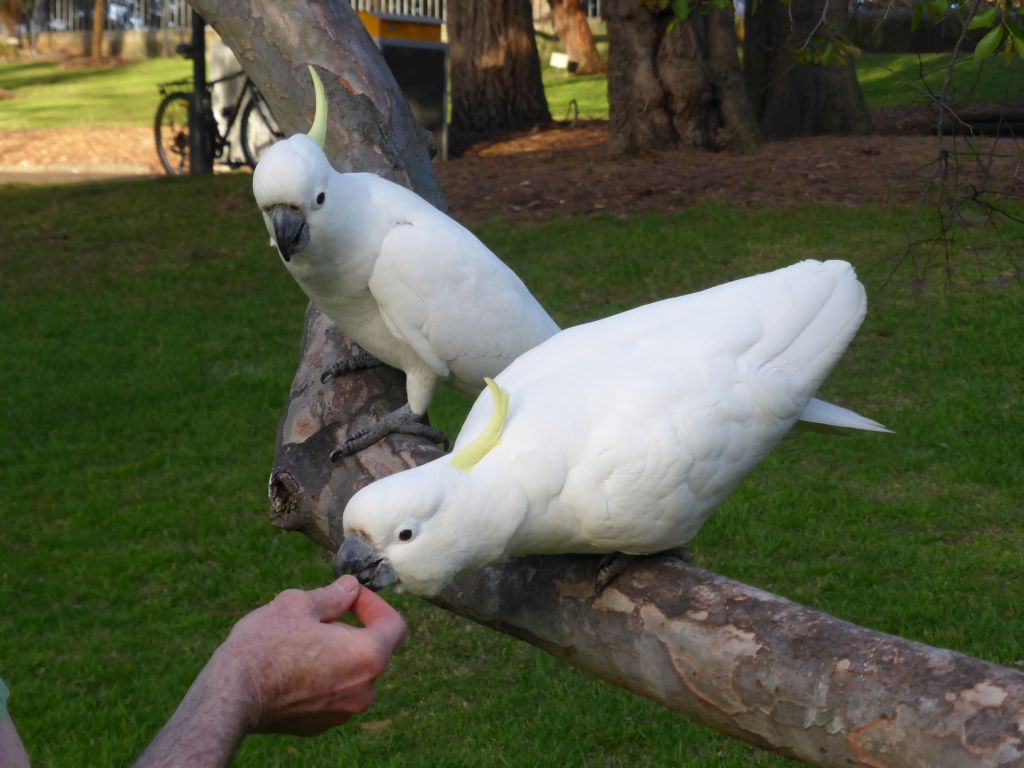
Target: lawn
150, 337
45, 94
893, 80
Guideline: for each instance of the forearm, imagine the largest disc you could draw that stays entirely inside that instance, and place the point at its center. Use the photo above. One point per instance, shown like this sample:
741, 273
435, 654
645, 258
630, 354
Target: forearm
12, 753
208, 725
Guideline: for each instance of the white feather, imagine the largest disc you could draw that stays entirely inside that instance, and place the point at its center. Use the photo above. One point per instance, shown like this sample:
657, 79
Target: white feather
624, 434
406, 282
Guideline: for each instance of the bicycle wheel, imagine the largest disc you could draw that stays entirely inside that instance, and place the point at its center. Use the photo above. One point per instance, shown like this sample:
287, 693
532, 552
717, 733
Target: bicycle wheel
258, 130
172, 134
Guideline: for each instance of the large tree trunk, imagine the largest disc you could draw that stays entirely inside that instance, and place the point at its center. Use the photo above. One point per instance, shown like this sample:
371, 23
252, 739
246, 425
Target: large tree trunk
495, 71
370, 127
751, 664
99, 15
675, 85
792, 99
574, 33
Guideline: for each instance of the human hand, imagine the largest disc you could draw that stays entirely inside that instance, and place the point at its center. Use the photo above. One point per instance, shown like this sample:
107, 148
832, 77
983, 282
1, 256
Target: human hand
301, 672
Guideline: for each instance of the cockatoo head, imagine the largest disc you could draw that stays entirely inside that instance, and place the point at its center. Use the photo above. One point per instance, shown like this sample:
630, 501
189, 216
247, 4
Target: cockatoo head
426, 525
290, 182
402, 528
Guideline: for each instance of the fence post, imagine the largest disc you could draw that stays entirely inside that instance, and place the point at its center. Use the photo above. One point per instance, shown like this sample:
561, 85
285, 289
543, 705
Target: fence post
199, 130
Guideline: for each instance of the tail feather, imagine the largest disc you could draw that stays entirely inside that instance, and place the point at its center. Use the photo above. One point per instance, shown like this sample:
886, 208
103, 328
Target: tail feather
818, 412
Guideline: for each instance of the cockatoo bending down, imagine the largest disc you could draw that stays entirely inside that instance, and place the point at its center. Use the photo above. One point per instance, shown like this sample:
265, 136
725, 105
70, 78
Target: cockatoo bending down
564, 454
412, 287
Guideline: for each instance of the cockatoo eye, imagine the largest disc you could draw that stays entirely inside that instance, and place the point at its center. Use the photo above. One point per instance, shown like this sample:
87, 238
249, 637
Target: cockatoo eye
320, 198
407, 531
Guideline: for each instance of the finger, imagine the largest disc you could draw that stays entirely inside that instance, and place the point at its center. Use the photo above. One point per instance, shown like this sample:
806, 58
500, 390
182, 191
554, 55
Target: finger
332, 602
380, 618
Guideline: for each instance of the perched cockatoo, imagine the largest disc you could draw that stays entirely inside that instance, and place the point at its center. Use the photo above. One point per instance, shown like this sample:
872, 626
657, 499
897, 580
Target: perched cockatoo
408, 284
565, 453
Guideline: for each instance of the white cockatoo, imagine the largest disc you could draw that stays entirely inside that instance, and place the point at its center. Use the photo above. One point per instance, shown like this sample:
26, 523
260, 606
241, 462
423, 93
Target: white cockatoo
566, 454
412, 287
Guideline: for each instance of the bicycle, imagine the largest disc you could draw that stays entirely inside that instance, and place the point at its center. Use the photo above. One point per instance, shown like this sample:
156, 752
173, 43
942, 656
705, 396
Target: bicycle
257, 129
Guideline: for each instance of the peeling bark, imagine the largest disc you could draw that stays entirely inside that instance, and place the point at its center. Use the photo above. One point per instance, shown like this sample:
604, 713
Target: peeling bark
751, 664
370, 127
756, 666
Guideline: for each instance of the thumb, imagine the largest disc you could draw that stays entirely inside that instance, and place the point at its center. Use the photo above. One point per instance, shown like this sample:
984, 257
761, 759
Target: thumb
332, 602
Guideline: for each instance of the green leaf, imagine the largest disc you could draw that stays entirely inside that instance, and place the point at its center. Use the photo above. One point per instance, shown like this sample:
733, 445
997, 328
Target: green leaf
1018, 44
1008, 50
681, 9
937, 8
915, 22
1014, 28
988, 43
984, 20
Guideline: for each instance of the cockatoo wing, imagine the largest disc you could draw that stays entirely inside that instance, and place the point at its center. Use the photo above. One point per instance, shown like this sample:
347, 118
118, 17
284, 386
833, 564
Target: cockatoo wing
655, 415
453, 301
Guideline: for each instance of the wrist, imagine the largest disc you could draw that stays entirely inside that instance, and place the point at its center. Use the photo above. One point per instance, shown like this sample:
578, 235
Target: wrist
209, 723
229, 691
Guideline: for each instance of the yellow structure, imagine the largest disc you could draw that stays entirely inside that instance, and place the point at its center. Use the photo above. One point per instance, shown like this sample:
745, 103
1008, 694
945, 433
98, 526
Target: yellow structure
418, 58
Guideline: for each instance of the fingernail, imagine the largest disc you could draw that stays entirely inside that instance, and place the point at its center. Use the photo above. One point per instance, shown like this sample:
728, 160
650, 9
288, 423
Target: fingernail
348, 583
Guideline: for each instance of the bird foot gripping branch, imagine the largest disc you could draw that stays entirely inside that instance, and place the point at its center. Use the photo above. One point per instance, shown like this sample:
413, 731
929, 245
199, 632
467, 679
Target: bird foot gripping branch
402, 420
359, 360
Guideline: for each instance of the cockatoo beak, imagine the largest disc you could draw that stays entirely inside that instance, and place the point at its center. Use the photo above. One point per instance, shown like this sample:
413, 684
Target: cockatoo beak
291, 234
357, 557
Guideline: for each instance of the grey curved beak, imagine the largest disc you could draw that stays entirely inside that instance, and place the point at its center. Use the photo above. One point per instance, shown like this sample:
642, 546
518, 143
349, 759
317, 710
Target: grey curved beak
356, 556
291, 232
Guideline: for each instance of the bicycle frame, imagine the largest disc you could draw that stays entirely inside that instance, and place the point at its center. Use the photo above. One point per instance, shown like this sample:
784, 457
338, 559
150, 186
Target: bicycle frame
220, 140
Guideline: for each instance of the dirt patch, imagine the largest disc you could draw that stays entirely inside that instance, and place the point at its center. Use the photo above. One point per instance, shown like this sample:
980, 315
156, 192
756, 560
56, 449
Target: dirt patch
80, 146
86, 62
567, 169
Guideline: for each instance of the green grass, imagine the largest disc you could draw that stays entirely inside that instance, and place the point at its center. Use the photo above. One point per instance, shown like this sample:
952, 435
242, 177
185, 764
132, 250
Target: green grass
590, 92
150, 337
893, 80
46, 96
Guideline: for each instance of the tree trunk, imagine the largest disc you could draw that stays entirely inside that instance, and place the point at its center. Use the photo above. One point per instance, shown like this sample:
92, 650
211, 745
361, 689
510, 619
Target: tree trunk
792, 99
99, 15
370, 127
495, 71
12, 12
40, 21
779, 675
574, 33
674, 87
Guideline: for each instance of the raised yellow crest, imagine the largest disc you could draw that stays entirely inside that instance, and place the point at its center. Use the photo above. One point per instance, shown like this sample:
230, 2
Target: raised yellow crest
318, 132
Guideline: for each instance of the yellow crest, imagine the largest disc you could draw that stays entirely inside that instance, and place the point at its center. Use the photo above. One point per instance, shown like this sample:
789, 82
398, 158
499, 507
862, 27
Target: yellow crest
491, 435
318, 132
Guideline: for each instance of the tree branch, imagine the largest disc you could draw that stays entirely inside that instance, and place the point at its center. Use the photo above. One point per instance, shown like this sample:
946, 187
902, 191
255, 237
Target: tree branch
756, 666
